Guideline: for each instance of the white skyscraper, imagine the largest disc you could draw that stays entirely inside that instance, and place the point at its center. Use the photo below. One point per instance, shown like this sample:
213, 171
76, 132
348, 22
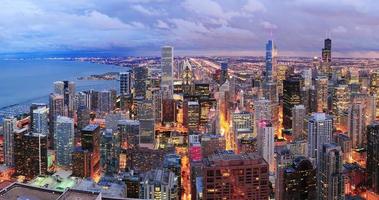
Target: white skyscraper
9, 126
125, 83
167, 62
262, 111
64, 140
40, 121
319, 130
266, 142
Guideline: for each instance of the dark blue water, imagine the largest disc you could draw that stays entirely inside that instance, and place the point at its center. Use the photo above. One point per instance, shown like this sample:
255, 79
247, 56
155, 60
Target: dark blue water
25, 81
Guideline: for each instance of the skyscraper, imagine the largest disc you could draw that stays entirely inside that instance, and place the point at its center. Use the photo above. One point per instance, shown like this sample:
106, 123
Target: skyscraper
299, 180
167, 62
326, 57
319, 130
322, 93
90, 140
30, 153
271, 53
9, 127
64, 140
140, 79
224, 72
373, 155
125, 83
40, 121
129, 131
266, 142
330, 181
291, 97
187, 78
340, 105
298, 116
67, 89
235, 176
33, 107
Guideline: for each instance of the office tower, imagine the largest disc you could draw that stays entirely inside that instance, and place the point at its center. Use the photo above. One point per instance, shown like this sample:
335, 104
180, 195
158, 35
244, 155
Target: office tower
167, 62
374, 89
235, 176
145, 115
271, 53
298, 116
105, 101
330, 181
224, 72
262, 111
172, 162
356, 125
125, 83
291, 97
30, 153
129, 131
283, 158
94, 96
64, 140
81, 163
242, 123
265, 140
84, 99
202, 90
40, 121
340, 105
67, 89
157, 103
319, 131
160, 184
326, 57
56, 108
83, 114
212, 143
9, 127
299, 180
280, 77
191, 115
307, 77
33, 107
140, 79
345, 143
168, 111
110, 151
373, 155
133, 187
90, 140
187, 78
322, 93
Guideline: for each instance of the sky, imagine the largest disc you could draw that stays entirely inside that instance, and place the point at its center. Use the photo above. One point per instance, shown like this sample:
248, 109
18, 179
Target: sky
193, 27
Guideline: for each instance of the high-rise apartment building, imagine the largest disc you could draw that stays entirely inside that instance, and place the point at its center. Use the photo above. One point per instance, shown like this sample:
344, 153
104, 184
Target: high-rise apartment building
64, 140
125, 83
373, 155
167, 62
9, 127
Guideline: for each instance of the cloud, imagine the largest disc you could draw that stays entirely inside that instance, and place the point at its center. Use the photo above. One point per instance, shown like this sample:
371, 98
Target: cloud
214, 25
254, 6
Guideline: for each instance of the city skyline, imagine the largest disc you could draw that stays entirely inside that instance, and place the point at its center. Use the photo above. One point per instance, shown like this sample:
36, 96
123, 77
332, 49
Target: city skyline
210, 27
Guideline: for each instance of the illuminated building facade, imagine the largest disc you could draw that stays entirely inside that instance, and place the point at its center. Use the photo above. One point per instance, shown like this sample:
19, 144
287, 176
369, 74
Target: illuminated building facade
299, 180
64, 140
340, 105
321, 93
30, 153
298, 116
90, 140
319, 131
212, 143
265, 140
291, 97
129, 131
330, 180
160, 184
345, 143
140, 81
235, 176
40, 121
125, 82
9, 127
373, 155
167, 63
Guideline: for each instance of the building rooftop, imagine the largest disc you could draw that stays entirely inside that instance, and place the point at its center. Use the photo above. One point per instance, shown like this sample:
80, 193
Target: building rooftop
230, 158
72, 194
128, 122
25, 192
90, 127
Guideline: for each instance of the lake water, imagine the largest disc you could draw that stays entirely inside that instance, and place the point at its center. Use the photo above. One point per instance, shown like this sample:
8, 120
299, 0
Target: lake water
25, 81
